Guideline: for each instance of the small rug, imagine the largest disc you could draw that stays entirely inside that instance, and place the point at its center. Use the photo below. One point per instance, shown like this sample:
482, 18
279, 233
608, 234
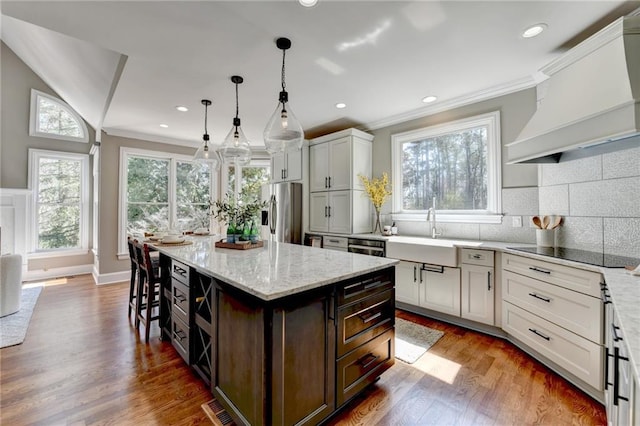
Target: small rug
13, 328
413, 340
217, 414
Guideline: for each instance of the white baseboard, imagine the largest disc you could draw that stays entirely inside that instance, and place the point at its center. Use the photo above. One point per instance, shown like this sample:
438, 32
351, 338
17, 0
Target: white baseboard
41, 274
111, 278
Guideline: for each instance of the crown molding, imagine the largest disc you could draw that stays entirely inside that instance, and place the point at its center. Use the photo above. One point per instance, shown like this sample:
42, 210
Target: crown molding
606, 35
467, 99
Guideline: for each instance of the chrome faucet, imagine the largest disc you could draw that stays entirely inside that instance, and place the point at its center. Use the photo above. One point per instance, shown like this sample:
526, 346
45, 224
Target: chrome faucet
431, 218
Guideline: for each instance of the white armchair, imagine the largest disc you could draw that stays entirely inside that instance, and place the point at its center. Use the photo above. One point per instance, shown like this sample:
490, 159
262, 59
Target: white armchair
10, 283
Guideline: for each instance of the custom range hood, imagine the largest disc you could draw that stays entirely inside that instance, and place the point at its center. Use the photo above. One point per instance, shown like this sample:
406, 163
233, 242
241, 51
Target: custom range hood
592, 99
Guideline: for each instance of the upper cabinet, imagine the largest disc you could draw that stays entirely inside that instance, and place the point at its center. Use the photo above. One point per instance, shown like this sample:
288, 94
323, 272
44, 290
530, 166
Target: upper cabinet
337, 159
286, 166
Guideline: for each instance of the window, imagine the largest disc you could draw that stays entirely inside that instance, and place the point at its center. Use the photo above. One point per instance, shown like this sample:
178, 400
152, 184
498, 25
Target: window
457, 163
60, 184
161, 191
53, 118
249, 179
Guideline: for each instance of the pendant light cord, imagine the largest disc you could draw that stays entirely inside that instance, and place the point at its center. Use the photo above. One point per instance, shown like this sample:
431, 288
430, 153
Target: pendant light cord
237, 103
283, 83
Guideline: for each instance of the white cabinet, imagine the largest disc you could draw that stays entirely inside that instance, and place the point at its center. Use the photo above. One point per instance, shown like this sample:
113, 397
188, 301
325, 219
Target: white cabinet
556, 310
440, 289
286, 166
407, 284
341, 212
429, 286
478, 286
621, 388
336, 160
337, 202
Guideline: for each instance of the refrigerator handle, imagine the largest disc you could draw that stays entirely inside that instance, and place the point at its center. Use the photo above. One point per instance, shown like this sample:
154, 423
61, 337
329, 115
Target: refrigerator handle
273, 214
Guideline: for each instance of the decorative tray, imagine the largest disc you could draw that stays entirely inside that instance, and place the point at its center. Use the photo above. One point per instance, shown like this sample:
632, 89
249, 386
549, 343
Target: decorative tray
176, 244
240, 246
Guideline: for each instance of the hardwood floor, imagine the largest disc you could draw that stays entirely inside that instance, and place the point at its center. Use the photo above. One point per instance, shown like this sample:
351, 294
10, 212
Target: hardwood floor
83, 363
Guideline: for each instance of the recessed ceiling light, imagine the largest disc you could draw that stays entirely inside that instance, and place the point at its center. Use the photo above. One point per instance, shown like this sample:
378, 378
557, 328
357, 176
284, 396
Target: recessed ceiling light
308, 3
534, 30
182, 108
429, 99
341, 105
164, 126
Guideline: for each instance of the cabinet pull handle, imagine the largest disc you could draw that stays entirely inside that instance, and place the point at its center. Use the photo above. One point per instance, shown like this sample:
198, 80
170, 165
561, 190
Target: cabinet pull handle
606, 369
329, 181
368, 359
180, 298
326, 185
476, 256
181, 335
179, 271
365, 318
537, 333
614, 331
488, 280
325, 211
421, 275
536, 269
329, 211
545, 299
414, 274
286, 173
616, 376
432, 268
372, 284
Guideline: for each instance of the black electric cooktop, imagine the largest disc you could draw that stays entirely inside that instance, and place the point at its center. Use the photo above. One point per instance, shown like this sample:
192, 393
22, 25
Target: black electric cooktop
582, 256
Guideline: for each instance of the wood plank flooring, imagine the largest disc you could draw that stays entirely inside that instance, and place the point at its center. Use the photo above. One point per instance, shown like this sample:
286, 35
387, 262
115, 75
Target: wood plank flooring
83, 363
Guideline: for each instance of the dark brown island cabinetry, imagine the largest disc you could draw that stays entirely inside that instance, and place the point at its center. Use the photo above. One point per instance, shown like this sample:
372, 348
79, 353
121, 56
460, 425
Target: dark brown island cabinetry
293, 360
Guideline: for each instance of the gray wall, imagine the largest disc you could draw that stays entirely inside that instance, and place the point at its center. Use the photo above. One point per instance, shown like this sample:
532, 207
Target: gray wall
519, 181
109, 201
17, 81
16, 84
599, 198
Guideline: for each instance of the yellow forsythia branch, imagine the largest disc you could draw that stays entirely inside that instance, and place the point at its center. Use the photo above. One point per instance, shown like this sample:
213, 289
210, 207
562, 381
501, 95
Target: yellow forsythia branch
376, 189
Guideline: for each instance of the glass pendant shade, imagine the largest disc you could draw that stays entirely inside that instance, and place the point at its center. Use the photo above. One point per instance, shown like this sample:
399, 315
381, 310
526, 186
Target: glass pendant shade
236, 148
283, 131
207, 153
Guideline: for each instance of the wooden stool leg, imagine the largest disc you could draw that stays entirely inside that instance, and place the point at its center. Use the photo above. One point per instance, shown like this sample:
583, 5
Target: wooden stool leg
150, 292
132, 290
139, 298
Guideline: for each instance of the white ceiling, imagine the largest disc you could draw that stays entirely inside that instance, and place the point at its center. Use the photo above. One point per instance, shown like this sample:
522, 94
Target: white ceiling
380, 58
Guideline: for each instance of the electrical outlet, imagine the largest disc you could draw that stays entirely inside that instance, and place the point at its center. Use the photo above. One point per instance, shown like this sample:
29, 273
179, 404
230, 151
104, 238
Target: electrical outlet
517, 221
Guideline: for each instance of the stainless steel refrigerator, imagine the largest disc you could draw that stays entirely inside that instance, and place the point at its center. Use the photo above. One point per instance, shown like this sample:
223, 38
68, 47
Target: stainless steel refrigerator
283, 217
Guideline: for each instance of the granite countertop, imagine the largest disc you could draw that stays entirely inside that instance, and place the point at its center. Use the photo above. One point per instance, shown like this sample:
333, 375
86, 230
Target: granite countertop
275, 270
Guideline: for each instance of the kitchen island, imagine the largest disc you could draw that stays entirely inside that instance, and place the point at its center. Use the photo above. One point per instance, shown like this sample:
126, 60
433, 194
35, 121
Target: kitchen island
284, 334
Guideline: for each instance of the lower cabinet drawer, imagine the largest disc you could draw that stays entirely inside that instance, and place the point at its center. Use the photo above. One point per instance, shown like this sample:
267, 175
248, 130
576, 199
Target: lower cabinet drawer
360, 322
362, 367
180, 301
574, 311
180, 338
575, 354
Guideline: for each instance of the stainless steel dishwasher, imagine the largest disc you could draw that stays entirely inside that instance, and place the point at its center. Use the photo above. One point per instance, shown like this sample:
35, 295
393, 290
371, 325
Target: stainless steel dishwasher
365, 246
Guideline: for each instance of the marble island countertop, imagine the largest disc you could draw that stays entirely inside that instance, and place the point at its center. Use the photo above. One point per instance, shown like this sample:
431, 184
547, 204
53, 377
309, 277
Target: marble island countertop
275, 270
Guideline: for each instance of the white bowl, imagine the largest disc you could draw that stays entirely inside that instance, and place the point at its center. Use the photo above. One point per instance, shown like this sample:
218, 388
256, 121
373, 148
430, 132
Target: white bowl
173, 239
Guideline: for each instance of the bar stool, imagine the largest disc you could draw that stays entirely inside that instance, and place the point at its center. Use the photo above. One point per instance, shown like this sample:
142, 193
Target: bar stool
134, 275
148, 288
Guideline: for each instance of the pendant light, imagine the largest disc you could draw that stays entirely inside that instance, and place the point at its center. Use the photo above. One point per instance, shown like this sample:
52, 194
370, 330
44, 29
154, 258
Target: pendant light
206, 153
236, 149
283, 131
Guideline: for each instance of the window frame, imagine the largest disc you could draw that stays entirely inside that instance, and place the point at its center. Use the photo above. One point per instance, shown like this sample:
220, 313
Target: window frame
33, 177
125, 154
34, 117
255, 162
494, 170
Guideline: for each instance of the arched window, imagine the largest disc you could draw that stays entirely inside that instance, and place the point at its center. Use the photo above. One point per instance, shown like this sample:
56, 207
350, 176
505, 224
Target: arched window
53, 118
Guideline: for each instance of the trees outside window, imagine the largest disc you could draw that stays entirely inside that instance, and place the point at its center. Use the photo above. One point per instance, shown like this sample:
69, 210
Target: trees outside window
248, 180
60, 186
161, 191
53, 118
457, 164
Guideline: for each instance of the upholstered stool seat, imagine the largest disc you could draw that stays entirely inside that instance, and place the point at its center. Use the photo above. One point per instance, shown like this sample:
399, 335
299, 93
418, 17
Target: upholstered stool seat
10, 283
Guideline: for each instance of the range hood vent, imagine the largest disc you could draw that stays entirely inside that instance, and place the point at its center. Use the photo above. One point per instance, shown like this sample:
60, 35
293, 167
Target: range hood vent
592, 98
